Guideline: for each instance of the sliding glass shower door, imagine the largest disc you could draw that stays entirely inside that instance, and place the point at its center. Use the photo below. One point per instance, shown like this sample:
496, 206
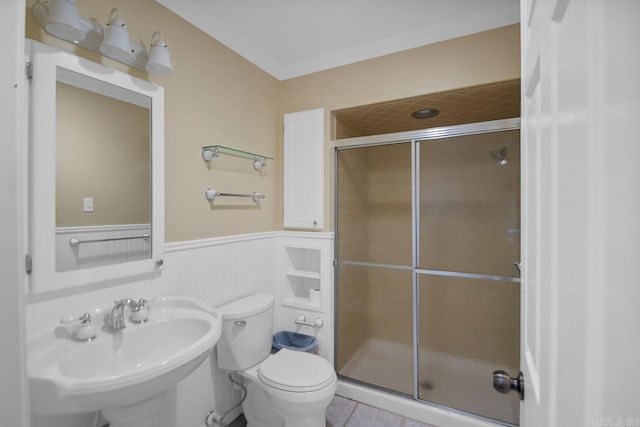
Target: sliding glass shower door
428, 295
468, 290
375, 269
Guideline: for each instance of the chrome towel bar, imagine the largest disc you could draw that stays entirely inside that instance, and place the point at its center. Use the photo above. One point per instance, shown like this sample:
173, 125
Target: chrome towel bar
211, 195
74, 241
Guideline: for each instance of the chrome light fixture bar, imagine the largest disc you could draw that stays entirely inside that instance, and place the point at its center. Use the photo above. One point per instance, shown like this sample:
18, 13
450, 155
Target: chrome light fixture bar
61, 19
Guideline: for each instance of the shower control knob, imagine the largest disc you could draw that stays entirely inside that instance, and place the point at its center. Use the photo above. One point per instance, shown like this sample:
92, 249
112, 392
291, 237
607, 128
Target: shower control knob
504, 383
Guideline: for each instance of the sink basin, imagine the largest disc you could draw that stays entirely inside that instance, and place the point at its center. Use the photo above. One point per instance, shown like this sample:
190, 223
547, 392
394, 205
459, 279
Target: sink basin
124, 368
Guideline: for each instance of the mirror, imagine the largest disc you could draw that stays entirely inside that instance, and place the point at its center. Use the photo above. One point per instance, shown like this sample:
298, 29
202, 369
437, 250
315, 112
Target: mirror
103, 179
97, 161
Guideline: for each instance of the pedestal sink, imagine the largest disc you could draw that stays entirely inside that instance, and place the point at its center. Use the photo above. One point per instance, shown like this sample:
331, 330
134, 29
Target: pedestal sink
125, 374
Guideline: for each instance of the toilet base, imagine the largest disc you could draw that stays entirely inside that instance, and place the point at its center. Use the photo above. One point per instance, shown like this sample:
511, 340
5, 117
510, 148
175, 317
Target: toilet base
277, 408
257, 409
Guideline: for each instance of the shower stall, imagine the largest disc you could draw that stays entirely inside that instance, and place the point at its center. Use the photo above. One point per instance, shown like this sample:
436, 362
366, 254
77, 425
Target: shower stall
427, 273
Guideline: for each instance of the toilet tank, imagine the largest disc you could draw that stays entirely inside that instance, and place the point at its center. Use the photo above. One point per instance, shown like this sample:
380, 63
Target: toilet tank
247, 327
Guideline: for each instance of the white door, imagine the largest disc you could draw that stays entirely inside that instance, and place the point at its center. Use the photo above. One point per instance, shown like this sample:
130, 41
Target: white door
581, 212
536, 227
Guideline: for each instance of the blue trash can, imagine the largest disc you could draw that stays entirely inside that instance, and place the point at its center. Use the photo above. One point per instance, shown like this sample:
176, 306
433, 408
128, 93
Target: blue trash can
294, 341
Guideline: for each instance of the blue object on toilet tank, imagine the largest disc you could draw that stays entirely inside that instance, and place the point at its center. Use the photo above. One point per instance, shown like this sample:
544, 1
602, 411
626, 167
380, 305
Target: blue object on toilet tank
294, 341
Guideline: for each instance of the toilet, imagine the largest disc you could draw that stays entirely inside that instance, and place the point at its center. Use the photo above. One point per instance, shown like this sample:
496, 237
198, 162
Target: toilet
289, 388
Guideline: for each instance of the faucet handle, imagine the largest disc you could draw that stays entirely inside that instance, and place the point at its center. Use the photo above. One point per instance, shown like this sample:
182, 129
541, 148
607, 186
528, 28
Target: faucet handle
86, 331
142, 302
84, 319
141, 313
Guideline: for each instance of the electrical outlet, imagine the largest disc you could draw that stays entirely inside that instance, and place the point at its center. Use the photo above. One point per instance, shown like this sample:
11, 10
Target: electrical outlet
88, 204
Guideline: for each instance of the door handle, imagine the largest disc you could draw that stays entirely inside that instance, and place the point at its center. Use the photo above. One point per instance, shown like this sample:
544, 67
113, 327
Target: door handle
504, 383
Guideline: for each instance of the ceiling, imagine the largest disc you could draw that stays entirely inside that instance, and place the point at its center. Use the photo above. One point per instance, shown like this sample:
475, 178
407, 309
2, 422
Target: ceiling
474, 104
290, 38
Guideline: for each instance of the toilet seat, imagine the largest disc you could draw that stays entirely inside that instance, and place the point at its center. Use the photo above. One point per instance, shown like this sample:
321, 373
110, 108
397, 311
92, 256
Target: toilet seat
296, 371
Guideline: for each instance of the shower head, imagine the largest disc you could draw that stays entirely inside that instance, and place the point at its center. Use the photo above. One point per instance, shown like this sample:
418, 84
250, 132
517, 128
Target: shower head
500, 155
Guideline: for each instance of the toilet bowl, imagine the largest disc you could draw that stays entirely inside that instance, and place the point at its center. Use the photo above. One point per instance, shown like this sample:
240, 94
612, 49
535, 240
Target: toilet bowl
289, 388
297, 386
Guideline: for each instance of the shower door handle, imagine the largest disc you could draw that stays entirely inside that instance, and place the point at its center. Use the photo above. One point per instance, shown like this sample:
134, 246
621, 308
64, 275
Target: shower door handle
503, 383
518, 266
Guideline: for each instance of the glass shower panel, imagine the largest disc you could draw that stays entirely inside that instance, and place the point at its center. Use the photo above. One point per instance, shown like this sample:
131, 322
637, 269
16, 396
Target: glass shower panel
469, 218
375, 272
374, 204
468, 328
375, 324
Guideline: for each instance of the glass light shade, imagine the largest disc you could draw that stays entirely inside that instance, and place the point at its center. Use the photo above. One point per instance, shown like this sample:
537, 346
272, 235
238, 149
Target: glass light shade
115, 42
159, 62
64, 20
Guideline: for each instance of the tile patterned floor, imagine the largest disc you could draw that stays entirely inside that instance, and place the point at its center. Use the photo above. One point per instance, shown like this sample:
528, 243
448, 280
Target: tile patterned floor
349, 413
344, 412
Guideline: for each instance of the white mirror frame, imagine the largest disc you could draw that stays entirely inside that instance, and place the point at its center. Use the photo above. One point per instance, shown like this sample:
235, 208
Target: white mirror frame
48, 64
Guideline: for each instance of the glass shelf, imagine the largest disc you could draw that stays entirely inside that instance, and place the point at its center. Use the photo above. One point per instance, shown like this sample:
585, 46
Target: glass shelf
211, 151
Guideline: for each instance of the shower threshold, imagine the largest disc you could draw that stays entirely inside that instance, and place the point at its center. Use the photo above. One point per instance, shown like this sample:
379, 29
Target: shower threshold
365, 374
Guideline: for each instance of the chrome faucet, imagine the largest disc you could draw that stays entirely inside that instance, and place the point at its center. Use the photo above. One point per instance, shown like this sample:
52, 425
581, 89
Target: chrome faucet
116, 321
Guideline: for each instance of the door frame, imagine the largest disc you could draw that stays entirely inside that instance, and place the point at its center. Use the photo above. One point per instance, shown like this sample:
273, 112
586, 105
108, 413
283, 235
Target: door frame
14, 405
429, 133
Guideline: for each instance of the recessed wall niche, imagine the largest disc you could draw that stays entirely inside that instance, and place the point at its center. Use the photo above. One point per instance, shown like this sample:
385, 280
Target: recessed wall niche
492, 101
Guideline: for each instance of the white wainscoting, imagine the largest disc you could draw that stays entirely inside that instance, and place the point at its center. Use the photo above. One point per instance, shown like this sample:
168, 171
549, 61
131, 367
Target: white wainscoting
220, 270
87, 255
286, 310
217, 270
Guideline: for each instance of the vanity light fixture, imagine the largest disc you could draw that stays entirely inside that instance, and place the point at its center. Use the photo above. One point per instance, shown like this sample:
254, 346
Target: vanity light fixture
115, 38
61, 19
64, 19
159, 60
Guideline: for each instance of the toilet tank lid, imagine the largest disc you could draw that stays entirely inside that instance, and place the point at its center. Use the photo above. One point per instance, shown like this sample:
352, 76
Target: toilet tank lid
245, 307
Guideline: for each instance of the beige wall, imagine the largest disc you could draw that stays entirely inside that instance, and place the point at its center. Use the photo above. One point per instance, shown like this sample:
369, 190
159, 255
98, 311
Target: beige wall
486, 57
103, 152
215, 97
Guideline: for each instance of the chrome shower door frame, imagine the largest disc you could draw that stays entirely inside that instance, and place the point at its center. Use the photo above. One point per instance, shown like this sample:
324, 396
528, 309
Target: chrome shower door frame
413, 137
